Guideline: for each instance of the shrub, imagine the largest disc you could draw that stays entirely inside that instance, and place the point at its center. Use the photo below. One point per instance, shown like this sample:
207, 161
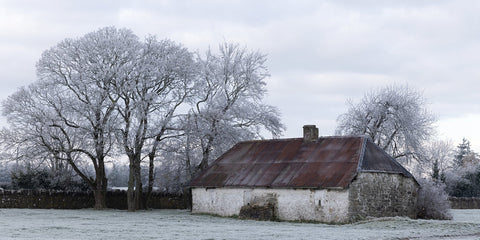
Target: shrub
432, 201
42, 179
30, 180
464, 182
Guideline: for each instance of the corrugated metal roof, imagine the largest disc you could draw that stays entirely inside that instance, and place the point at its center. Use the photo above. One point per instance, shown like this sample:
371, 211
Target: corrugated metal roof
330, 162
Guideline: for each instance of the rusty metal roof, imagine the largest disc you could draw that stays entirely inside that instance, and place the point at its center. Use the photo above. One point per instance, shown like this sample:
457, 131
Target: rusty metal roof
330, 162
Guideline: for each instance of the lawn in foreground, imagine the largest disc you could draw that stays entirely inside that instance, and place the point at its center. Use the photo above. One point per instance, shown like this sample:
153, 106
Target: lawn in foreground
180, 224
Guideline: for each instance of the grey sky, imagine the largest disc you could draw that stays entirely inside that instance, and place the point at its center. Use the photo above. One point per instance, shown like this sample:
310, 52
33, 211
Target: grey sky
320, 53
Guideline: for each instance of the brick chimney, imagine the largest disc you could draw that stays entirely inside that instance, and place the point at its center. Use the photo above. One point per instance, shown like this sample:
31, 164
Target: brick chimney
310, 133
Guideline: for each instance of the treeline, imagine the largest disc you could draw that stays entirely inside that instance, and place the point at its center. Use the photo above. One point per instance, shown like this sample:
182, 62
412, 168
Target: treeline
107, 100
462, 177
457, 168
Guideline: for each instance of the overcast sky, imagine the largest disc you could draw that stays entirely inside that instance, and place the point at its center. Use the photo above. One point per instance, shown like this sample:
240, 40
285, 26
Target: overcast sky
320, 53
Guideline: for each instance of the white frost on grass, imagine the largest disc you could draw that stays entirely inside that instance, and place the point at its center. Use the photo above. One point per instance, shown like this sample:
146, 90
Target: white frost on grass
180, 224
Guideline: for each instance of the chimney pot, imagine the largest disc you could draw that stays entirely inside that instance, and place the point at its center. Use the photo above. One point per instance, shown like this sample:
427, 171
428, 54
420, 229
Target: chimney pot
310, 133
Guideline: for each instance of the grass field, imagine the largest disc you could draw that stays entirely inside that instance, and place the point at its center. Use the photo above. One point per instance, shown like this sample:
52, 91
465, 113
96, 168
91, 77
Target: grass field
180, 224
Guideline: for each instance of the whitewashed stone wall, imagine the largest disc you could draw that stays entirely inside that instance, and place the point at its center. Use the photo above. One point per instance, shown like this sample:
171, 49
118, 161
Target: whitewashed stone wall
219, 201
292, 204
370, 194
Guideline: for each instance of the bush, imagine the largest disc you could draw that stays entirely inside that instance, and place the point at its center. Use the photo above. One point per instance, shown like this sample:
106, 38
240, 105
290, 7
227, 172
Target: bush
42, 179
30, 180
464, 182
432, 201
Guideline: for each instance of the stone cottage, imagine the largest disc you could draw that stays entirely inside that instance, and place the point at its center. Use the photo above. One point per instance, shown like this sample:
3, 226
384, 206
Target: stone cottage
326, 179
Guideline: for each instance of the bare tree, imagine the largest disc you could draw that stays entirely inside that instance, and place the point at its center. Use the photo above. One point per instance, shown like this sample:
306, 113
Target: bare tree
394, 117
229, 106
148, 105
437, 159
71, 112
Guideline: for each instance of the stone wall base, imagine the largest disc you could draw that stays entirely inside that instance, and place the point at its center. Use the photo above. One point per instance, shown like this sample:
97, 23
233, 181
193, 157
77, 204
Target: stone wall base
465, 202
78, 200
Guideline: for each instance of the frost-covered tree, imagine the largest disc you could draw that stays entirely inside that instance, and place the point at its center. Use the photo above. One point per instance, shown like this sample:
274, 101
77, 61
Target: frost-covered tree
148, 106
394, 117
69, 112
229, 104
436, 159
5, 174
464, 156
463, 180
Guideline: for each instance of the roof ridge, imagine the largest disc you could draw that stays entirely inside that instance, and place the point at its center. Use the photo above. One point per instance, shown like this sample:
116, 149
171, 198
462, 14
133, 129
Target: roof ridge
299, 138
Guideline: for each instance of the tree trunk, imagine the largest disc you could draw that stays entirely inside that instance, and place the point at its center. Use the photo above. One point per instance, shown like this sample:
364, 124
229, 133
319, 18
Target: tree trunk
151, 178
100, 194
100, 191
131, 187
101, 181
97, 185
138, 186
188, 162
151, 166
205, 156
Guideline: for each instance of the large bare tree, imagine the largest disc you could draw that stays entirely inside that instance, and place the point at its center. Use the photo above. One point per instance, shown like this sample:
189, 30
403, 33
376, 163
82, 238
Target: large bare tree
228, 106
148, 105
71, 109
394, 117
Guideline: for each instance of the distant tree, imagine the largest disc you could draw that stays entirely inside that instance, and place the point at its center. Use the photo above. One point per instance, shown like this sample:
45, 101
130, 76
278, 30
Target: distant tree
463, 180
464, 156
117, 175
465, 183
394, 117
436, 159
463, 149
44, 179
5, 174
30, 179
229, 104
172, 175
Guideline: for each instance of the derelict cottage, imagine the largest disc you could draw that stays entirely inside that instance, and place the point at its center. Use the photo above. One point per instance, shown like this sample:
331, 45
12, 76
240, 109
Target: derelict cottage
326, 179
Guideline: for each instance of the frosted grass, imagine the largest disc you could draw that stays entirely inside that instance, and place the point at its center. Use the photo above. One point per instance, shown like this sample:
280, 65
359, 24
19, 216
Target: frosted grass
180, 224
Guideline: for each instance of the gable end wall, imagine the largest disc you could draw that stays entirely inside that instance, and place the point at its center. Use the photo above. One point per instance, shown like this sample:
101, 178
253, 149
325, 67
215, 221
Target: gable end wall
382, 195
